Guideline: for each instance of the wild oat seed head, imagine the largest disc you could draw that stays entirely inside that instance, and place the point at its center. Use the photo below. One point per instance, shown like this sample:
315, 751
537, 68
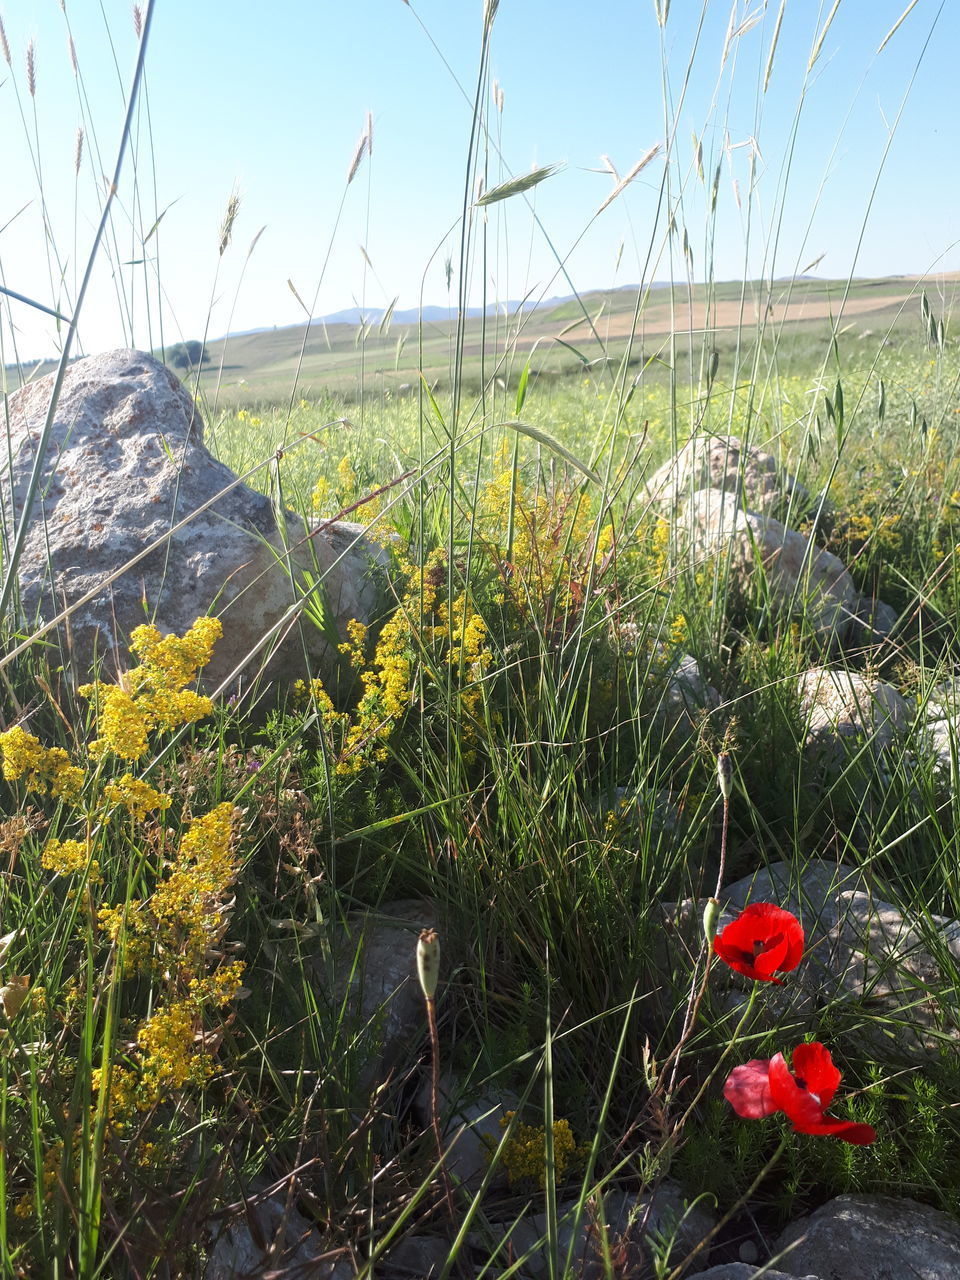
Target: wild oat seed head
78, 151
229, 218
72, 49
357, 157
369, 133
138, 20
4, 45
31, 70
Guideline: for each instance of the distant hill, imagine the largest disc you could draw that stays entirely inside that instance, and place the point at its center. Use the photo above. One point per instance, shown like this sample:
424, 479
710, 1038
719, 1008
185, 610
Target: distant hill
433, 314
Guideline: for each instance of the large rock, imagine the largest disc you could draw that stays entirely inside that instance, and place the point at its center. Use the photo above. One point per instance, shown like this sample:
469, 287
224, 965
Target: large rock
742, 1271
681, 701
861, 1237
471, 1126
269, 1237
845, 712
941, 733
371, 982
800, 578
125, 463
753, 477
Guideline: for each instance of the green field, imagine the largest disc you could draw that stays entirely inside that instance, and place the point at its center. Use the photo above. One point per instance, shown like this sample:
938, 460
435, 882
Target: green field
626, 325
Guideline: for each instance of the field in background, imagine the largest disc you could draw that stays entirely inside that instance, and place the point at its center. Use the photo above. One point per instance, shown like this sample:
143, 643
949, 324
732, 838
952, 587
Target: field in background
798, 316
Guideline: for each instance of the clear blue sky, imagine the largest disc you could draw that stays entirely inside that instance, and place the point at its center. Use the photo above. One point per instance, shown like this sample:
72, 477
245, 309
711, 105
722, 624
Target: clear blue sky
271, 100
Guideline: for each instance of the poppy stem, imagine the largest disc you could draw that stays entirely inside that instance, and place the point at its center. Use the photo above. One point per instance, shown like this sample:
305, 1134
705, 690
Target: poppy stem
699, 987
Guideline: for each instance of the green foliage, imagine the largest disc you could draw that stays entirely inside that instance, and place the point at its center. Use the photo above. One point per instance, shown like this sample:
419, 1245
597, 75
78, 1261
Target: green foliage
187, 355
917, 1152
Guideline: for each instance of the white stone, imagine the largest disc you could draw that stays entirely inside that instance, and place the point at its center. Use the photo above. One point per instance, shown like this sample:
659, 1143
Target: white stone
470, 1125
800, 578
722, 462
631, 1225
373, 979
844, 707
126, 462
863, 952
269, 1237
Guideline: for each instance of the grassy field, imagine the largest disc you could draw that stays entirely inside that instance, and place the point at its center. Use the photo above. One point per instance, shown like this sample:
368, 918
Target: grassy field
629, 327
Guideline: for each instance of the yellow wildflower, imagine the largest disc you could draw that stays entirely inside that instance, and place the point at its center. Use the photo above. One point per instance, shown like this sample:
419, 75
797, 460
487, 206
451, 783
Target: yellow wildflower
136, 796
524, 1153
40, 767
152, 695
68, 857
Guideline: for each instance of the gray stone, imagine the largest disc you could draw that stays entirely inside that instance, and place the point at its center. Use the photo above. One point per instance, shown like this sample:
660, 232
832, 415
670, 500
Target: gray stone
470, 1124
269, 1237
864, 952
941, 732
414, 1258
844, 712
647, 811
742, 1271
800, 578
873, 622
753, 477
670, 1226
124, 464
682, 696
861, 1237
373, 977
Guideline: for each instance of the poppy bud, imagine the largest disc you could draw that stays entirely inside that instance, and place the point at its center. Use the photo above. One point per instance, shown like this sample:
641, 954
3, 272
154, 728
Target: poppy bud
725, 774
711, 914
428, 961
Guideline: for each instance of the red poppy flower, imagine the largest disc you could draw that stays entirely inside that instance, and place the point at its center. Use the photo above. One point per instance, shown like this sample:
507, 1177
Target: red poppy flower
763, 939
763, 1087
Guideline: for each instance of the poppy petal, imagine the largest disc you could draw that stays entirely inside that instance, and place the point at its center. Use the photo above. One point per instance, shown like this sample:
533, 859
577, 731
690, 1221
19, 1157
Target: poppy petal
799, 1105
814, 1066
762, 940
771, 957
747, 1089
860, 1135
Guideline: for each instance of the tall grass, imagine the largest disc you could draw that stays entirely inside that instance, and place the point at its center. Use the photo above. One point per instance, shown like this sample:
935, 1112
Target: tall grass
509, 768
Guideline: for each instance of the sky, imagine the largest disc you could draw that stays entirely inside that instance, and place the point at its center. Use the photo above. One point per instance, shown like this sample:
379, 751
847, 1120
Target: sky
850, 163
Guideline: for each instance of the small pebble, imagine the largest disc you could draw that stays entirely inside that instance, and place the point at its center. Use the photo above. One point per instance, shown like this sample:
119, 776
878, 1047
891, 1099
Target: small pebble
749, 1252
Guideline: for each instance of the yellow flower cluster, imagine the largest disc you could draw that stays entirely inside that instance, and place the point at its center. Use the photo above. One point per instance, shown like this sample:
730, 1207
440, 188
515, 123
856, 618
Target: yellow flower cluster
320, 496
171, 1050
387, 690
543, 543
135, 795
468, 652
153, 695
346, 478
453, 636
186, 914
40, 767
69, 857
524, 1154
